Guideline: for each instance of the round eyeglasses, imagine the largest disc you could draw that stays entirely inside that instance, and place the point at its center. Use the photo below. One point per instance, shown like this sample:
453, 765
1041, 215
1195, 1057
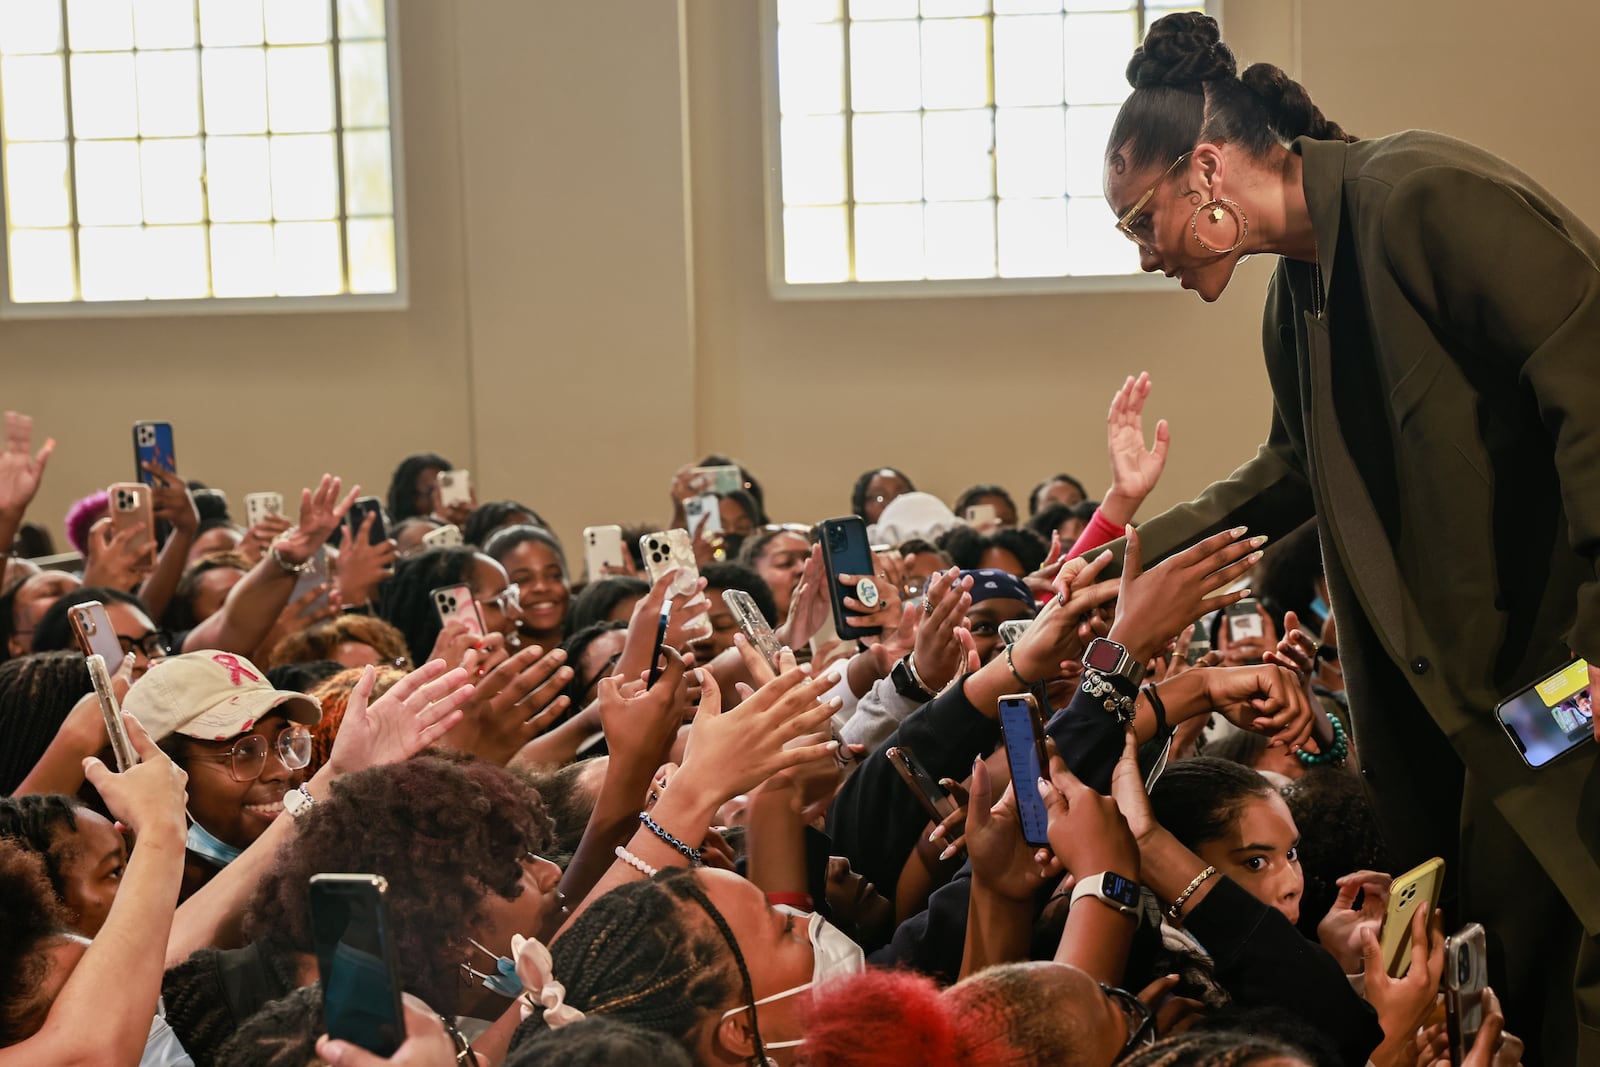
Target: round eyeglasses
248, 756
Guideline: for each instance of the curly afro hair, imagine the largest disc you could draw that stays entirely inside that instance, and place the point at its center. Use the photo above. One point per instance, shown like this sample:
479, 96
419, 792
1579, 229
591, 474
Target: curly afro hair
34, 920
445, 834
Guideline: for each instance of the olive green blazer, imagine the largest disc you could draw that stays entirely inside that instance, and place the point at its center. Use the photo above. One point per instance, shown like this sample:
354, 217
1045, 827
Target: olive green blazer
1440, 417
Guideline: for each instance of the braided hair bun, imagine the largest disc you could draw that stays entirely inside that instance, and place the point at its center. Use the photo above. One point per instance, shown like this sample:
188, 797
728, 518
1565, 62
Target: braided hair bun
1181, 51
1289, 105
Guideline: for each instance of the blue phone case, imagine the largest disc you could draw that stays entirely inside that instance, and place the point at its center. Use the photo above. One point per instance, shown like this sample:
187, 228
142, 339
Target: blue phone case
846, 550
1017, 724
152, 443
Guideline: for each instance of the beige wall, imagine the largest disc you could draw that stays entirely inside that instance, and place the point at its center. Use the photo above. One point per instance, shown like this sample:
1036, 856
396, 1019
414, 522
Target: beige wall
589, 307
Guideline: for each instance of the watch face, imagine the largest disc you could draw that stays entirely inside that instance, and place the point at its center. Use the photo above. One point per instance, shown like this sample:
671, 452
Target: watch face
1103, 655
1121, 890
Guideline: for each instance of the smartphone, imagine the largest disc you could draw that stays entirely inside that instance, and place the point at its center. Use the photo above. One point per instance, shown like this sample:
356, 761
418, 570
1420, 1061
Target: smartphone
310, 578
1025, 752
356, 960
982, 515
602, 548
754, 624
1011, 632
152, 443
1199, 645
446, 536
454, 603
121, 747
846, 550
1551, 717
455, 487
703, 515
726, 479
1466, 973
661, 639
96, 635
367, 505
1418, 886
666, 549
1244, 620
130, 505
258, 506
934, 799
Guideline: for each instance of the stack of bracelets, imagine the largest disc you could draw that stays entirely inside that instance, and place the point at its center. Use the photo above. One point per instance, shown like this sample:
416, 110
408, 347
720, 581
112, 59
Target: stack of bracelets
1337, 752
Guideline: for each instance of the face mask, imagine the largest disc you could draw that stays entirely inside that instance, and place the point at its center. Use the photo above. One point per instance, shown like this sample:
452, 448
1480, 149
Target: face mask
502, 980
836, 956
203, 843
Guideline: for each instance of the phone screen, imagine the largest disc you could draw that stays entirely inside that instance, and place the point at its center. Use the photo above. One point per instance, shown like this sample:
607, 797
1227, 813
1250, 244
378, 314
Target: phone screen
1552, 717
1020, 725
361, 997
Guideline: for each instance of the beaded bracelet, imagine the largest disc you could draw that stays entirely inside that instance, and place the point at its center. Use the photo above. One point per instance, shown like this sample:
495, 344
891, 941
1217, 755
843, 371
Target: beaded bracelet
1338, 751
691, 854
1015, 673
635, 862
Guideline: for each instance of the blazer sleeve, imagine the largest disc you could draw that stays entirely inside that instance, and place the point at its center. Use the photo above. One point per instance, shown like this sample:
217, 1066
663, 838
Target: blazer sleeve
1450, 235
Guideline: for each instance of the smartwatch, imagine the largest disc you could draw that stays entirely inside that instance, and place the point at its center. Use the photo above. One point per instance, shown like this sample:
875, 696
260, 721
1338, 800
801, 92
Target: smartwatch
1112, 660
907, 684
298, 801
1112, 890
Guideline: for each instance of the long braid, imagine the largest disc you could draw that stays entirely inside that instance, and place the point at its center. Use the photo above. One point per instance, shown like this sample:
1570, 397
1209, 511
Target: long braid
692, 889
36, 822
36, 693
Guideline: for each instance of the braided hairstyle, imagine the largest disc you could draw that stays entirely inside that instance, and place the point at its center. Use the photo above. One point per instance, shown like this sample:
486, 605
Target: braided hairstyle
1187, 89
404, 602
36, 694
645, 954
1216, 1048
597, 1042
36, 822
34, 922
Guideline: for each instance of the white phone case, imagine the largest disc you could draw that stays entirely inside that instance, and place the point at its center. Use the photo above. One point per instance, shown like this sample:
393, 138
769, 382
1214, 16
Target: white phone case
703, 514
446, 536
258, 506
602, 548
455, 487
666, 549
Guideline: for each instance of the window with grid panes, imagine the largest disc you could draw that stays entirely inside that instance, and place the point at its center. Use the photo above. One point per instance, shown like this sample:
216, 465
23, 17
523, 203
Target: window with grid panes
204, 150
951, 139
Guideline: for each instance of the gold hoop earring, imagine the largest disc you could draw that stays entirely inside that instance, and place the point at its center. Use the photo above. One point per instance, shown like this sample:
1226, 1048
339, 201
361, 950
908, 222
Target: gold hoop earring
1216, 207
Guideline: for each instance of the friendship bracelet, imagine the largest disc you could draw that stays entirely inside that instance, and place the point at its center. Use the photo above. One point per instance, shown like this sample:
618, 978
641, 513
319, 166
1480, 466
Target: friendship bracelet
1015, 673
691, 854
635, 862
288, 568
1183, 897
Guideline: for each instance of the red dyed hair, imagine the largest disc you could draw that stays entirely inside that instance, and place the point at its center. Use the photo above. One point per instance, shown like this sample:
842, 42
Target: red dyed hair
879, 1018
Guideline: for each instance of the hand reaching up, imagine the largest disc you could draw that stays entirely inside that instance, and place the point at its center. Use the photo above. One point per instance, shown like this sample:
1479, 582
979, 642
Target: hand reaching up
416, 712
21, 468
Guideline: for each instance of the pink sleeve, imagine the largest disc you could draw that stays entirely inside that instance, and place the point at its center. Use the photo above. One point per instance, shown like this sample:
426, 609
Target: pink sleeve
1097, 533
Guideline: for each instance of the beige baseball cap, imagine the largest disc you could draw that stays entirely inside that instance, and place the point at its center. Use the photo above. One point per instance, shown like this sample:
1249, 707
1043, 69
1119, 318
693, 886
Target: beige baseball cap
211, 696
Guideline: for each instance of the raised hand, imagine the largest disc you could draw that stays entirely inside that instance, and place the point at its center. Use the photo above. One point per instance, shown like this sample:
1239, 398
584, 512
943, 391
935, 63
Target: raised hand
641, 723
417, 711
1134, 469
119, 560
1341, 932
362, 566
256, 539
149, 797
170, 499
513, 704
1001, 859
938, 653
21, 468
1154, 605
1088, 833
809, 606
320, 513
732, 753
1403, 1002
427, 1044
1062, 629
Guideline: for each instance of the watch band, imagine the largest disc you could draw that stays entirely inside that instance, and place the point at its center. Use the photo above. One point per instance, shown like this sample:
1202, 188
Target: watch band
1106, 887
1124, 706
907, 684
298, 801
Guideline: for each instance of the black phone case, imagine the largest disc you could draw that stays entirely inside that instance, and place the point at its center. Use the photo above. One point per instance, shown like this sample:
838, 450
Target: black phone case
846, 550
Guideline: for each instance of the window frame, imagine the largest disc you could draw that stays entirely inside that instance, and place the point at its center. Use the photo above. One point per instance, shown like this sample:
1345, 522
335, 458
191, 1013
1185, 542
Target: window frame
398, 300
780, 288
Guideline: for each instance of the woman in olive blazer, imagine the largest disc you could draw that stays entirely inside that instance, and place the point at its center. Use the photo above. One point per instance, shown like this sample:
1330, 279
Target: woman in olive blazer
1432, 336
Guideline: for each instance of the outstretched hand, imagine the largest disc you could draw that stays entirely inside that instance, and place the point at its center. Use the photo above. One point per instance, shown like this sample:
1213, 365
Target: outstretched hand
416, 712
1135, 470
21, 468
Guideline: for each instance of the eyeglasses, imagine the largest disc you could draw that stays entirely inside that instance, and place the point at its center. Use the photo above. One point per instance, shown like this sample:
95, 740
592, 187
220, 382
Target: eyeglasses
153, 645
1141, 1020
508, 600
1125, 223
248, 756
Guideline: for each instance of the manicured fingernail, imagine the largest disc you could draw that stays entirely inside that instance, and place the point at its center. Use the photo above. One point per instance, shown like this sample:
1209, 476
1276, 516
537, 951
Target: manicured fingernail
947, 853
938, 832
832, 678
833, 746
1255, 557
1043, 786
836, 703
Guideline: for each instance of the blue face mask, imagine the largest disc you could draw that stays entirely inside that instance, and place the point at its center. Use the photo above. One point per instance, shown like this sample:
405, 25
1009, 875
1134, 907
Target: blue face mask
503, 979
203, 843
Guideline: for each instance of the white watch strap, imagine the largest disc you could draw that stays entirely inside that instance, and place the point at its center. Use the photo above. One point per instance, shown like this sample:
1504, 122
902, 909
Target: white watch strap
1092, 886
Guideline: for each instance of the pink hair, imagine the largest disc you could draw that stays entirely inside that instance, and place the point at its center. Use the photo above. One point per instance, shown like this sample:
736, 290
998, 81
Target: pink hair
84, 514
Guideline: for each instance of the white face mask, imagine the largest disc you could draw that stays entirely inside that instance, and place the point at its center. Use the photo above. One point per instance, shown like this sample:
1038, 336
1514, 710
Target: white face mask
836, 956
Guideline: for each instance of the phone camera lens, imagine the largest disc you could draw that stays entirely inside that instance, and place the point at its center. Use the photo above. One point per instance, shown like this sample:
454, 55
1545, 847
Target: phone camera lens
1463, 968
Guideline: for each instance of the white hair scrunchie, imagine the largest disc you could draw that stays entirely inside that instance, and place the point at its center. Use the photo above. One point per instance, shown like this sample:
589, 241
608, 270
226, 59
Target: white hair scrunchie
540, 990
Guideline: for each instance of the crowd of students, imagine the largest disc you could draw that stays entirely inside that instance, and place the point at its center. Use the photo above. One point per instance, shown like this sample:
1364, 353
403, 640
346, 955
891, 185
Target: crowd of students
720, 865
